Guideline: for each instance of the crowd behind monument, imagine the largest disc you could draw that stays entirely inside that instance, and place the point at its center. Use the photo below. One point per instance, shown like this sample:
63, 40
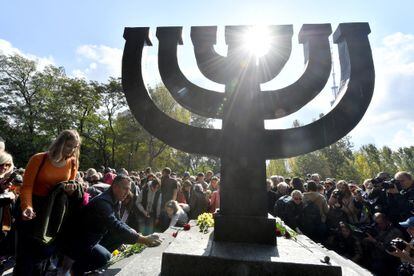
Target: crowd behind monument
57, 218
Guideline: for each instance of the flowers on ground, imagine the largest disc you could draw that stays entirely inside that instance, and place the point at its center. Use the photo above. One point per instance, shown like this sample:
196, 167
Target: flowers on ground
126, 251
205, 221
186, 227
283, 230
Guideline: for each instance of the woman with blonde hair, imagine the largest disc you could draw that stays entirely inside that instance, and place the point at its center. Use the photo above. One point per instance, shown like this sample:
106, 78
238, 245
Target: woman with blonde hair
7, 202
6, 164
176, 214
347, 201
43, 172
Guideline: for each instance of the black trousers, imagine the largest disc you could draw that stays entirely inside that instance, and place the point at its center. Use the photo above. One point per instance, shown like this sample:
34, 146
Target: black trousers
30, 253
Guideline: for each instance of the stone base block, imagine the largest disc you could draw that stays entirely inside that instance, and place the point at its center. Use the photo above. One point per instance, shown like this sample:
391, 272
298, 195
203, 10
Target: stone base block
245, 229
195, 253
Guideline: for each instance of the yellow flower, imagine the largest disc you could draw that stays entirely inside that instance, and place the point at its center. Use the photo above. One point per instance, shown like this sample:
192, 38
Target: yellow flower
115, 253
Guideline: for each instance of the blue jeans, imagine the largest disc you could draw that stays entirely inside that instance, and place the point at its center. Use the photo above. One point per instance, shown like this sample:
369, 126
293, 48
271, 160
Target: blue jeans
90, 260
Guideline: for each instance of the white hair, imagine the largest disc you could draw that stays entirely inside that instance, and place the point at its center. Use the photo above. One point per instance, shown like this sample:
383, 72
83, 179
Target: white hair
6, 158
283, 188
296, 193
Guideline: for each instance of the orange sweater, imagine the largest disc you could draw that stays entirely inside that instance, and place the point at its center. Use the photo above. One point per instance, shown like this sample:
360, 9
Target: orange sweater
42, 182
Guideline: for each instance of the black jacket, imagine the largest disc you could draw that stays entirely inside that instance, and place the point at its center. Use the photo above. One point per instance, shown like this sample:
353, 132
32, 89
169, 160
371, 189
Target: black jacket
401, 206
96, 219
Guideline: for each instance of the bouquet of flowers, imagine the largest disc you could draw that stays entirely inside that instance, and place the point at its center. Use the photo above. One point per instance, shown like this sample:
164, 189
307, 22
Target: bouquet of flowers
283, 230
125, 251
205, 221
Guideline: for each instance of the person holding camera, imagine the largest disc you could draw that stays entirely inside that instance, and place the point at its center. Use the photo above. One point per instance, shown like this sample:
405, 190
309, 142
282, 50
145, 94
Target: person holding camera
375, 244
404, 250
43, 172
345, 243
402, 201
376, 195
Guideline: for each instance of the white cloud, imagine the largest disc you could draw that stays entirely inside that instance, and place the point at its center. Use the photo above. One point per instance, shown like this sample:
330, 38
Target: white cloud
389, 119
404, 137
98, 62
6, 48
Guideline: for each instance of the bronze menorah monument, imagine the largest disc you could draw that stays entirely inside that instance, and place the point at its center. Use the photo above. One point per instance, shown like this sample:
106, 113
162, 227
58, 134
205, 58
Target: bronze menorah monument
243, 144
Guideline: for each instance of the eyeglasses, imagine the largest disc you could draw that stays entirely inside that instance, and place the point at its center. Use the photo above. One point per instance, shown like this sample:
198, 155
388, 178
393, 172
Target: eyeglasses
5, 165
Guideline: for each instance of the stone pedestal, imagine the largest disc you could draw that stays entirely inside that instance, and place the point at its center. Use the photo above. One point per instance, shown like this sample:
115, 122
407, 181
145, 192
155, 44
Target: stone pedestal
245, 229
195, 253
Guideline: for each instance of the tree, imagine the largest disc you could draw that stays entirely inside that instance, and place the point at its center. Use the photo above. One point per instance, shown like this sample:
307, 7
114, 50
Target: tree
405, 158
387, 160
113, 101
339, 157
310, 163
167, 104
362, 166
277, 167
373, 157
24, 94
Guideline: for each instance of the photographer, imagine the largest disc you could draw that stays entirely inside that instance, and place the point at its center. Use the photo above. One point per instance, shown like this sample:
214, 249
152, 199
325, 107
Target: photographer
380, 196
375, 245
345, 243
347, 202
335, 214
403, 250
402, 202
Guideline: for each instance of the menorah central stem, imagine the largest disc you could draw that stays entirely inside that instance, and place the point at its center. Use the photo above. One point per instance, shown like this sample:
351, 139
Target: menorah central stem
243, 207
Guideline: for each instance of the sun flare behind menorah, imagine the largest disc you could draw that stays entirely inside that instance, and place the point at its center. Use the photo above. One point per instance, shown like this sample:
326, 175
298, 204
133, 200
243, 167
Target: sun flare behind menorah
243, 144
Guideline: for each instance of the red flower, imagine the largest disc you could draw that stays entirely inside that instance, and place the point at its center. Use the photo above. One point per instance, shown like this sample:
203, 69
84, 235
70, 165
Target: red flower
175, 234
287, 235
186, 227
278, 233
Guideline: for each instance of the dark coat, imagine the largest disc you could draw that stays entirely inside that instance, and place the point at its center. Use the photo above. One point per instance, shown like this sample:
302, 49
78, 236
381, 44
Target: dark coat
290, 212
272, 197
96, 219
198, 204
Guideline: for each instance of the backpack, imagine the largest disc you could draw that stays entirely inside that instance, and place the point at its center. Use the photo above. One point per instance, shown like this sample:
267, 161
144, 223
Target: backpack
311, 221
311, 213
282, 206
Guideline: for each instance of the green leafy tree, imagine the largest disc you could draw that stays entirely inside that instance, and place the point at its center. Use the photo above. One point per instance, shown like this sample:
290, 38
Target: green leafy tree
310, 163
405, 158
277, 167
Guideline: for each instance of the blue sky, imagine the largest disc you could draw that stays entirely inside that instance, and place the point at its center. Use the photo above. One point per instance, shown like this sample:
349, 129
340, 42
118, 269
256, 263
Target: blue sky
86, 38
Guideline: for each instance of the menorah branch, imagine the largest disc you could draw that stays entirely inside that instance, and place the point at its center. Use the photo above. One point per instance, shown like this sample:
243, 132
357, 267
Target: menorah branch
280, 48
212, 65
198, 100
176, 134
357, 79
282, 102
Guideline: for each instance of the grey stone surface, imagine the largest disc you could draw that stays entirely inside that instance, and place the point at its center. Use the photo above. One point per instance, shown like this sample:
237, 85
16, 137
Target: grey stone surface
195, 253
148, 262
301, 257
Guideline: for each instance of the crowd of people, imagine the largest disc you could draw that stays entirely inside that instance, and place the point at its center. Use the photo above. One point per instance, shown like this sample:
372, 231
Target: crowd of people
371, 223
54, 217
59, 219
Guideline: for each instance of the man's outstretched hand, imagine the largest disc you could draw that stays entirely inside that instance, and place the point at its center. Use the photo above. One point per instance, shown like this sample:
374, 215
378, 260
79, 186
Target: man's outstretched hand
150, 240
